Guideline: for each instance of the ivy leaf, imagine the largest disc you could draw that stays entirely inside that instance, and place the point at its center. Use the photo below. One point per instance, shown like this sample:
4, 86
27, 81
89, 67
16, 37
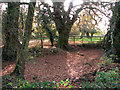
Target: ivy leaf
10, 84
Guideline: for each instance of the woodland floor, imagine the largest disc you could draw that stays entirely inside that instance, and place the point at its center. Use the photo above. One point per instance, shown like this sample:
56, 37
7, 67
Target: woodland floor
60, 65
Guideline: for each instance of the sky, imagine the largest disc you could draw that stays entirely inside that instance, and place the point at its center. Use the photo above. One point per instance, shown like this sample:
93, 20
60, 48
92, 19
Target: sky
101, 25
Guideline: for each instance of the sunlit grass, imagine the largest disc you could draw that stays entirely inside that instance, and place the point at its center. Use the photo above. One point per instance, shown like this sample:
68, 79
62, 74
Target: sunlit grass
86, 39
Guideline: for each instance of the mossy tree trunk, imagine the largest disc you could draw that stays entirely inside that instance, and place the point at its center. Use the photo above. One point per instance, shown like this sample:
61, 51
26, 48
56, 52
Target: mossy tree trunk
63, 23
63, 36
116, 30
49, 33
11, 31
112, 38
23, 49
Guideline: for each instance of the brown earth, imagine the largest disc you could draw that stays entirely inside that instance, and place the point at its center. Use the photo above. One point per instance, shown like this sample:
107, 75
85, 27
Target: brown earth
59, 66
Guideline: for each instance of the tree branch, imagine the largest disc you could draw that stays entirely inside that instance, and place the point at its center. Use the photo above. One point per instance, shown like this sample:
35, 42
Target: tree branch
92, 8
76, 14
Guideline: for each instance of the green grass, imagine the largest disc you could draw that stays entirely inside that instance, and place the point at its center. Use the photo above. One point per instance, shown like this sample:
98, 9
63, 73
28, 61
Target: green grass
86, 39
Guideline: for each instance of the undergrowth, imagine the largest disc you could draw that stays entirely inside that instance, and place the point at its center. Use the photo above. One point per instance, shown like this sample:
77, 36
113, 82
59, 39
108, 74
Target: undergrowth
20, 83
108, 77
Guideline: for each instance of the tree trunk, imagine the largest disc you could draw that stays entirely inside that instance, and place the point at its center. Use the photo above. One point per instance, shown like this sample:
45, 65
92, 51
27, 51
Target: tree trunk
41, 38
11, 28
107, 42
63, 30
50, 36
92, 34
49, 32
63, 37
83, 34
116, 31
22, 51
113, 36
87, 34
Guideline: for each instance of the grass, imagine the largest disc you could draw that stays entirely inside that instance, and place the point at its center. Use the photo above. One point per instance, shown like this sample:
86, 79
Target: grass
86, 39
78, 39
